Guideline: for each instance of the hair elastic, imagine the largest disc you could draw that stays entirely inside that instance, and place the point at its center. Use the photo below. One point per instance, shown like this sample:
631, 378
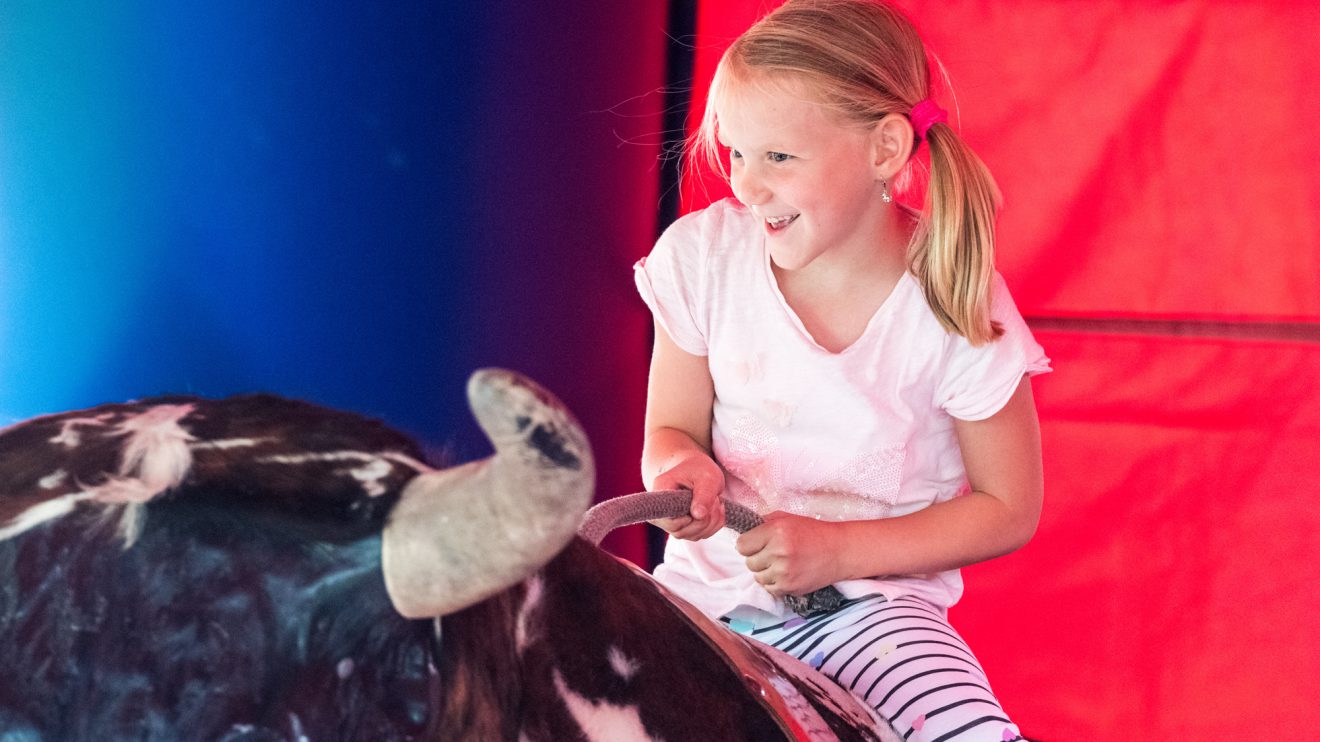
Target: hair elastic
925, 115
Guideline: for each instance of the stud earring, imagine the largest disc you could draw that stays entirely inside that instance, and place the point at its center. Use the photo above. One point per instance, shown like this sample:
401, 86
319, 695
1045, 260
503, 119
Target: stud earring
884, 193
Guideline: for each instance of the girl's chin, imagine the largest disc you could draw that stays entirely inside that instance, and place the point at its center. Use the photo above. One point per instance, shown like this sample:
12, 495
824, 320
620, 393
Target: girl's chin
790, 260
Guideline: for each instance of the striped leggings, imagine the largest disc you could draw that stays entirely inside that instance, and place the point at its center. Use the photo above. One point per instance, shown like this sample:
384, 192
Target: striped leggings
903, 659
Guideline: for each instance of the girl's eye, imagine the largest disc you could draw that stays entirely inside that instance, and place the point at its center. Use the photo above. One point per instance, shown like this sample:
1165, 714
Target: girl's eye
735, 154
778, 157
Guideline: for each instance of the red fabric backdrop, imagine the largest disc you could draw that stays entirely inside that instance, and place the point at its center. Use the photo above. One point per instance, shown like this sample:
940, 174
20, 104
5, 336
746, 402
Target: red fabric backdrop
1161, 234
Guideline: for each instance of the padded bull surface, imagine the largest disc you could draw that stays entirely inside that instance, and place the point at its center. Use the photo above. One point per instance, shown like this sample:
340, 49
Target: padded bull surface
599, 647
243, 600
194, 569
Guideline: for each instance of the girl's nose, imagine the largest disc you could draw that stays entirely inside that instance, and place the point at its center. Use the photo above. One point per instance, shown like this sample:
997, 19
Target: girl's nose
749, 188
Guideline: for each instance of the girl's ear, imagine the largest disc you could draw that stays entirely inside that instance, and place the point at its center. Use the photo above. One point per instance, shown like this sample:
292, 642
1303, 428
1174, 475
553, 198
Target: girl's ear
891, 145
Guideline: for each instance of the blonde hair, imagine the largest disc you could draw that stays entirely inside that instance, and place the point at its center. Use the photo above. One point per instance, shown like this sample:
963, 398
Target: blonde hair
862, 60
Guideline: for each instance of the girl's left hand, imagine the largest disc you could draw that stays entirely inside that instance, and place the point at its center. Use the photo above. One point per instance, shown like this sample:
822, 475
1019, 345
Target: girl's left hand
790, 554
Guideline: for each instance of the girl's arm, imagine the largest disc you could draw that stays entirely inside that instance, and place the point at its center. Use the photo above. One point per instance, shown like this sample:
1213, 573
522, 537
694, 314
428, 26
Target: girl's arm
1002, 456
676, 453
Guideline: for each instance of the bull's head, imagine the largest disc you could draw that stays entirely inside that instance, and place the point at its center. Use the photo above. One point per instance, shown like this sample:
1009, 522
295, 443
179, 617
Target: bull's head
182, 568
191, 568
461, 535
454, 537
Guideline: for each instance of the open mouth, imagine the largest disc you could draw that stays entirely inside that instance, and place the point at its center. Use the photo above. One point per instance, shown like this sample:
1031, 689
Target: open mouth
779, 222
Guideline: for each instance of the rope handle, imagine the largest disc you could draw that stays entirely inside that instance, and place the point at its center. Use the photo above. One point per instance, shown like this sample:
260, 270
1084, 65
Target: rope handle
640, 507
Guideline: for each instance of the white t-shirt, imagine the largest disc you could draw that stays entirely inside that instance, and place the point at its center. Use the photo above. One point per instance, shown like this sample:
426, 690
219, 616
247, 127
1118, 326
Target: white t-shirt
865, 433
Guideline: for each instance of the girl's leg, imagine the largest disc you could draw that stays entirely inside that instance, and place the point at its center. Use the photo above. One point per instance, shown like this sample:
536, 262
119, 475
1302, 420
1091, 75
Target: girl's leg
905, 660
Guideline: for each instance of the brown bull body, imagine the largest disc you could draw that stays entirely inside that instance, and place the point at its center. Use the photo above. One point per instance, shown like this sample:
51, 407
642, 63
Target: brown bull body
195, 569
600, 652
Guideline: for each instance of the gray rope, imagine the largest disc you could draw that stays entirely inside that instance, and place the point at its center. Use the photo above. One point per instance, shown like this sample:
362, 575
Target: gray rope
644, 506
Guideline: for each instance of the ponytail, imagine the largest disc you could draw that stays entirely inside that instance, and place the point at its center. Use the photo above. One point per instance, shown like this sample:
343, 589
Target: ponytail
953, 250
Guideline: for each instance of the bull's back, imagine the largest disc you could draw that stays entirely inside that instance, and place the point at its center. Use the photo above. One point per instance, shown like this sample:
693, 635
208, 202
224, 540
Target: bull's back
596, 651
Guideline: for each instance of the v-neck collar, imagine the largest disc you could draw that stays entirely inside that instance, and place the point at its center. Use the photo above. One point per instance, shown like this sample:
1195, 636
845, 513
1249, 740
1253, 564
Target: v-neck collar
884, 308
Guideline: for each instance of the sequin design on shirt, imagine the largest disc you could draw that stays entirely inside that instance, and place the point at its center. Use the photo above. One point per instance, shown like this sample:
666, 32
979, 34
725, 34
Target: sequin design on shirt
863, 487
866, 486
753, 457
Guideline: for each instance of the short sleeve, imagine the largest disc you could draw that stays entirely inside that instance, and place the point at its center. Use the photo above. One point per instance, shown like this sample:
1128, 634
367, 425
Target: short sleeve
979, 380
671, 281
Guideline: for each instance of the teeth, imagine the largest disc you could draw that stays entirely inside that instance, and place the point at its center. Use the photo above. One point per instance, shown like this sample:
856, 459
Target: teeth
779, 221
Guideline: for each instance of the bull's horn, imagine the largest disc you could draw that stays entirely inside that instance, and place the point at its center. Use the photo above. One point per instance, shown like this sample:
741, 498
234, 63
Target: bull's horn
460, 535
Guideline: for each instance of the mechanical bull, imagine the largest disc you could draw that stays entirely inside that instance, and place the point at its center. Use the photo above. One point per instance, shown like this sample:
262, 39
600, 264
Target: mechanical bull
262, 569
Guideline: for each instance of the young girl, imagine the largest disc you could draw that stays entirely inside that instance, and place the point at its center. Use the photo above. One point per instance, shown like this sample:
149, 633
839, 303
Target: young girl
851, 368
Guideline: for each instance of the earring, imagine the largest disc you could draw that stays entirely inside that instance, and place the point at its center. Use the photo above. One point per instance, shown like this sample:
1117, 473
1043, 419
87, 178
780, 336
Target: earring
884, 194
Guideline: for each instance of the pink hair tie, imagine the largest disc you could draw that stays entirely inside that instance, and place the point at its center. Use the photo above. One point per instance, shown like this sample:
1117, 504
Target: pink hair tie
925, 115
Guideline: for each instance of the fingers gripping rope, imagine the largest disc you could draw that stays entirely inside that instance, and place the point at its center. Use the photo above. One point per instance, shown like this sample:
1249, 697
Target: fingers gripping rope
644, 506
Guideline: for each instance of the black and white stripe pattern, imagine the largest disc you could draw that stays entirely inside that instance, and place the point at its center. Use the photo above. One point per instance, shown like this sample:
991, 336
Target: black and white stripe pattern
904, 659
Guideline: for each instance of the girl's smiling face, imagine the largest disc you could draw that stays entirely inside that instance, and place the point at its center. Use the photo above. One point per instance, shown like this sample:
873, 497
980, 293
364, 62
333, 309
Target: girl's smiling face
812, 180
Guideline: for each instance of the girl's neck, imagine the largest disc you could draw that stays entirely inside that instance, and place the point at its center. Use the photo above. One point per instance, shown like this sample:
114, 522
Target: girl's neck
835, 299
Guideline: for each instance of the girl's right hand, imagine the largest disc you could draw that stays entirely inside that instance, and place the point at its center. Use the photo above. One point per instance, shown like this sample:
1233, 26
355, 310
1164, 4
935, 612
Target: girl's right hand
700, 474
